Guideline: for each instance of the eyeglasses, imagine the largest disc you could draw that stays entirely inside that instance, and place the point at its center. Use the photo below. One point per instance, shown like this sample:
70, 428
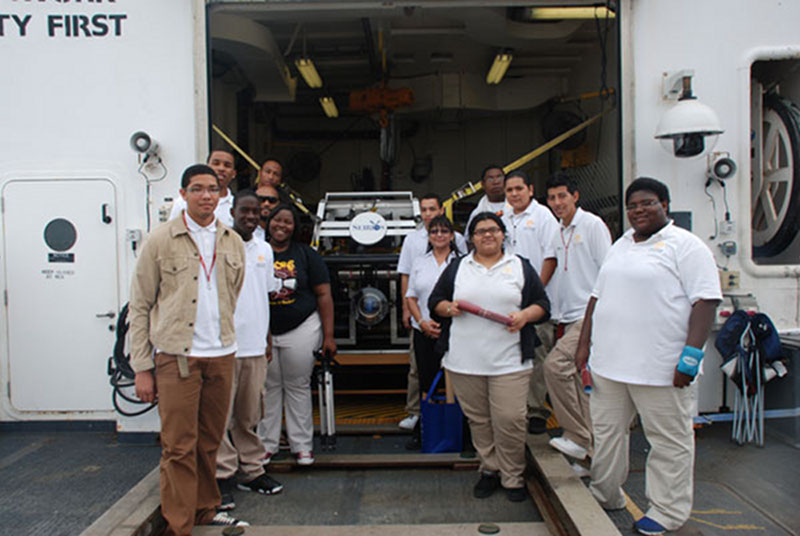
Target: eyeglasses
487, 230
196, 190
268, 198
439, 231
644, 204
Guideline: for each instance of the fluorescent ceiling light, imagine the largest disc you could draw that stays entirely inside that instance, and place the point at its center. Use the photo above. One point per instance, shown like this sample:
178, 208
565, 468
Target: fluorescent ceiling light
329, 106
499, 68
570, 12
308, 72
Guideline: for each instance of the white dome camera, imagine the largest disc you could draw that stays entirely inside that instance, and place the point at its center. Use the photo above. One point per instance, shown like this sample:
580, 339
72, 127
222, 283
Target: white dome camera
690, 128
142, 143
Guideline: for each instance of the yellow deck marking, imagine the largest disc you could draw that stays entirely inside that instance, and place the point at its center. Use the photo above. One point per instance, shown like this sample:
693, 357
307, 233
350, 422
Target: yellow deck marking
726, 527
633, 510
715, 511
365, 411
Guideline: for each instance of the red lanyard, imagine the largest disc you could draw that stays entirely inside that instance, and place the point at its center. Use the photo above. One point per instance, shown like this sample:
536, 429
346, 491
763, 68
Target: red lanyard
206, 271
566, 246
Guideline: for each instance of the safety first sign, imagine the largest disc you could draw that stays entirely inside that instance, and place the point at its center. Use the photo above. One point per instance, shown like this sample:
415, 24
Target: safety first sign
97, 20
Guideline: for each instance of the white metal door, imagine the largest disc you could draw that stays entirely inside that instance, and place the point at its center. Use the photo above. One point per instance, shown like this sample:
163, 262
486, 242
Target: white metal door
61, 282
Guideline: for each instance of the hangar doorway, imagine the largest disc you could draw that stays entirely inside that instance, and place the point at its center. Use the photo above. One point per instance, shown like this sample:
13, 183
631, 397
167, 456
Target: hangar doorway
562, 69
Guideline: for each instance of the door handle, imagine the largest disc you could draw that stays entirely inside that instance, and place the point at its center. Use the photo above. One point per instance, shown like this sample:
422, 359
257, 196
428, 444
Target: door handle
110, 314
104, 213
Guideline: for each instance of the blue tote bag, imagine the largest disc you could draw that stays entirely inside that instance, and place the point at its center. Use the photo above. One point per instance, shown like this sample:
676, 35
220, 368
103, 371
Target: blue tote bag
441, 422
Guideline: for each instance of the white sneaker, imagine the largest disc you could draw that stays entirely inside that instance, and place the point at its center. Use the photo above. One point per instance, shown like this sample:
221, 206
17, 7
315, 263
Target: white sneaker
223, 519
305, 457
569, 447
409, 422
580, 471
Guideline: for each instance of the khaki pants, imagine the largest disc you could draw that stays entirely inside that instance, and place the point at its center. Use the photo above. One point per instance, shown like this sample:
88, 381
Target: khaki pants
289, 386
412, 391
667, 422
495, 407
538, 390
570, 403
193, 412
241, 449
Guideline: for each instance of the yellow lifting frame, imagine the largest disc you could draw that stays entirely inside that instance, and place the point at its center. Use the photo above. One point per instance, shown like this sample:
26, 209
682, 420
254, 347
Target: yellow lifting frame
471, 188
285, 187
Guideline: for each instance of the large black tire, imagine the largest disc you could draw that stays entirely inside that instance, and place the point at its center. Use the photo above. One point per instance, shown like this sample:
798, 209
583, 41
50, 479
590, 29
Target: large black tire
789, 113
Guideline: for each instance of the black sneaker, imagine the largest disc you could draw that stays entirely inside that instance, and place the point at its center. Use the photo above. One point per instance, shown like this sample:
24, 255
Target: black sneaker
414, 443
262, 484
537, 425
516, 494
226, 486
223, 519
487, 484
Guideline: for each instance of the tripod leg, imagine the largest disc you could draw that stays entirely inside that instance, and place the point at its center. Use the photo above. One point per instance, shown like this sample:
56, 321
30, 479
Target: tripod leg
331, 410
323, 430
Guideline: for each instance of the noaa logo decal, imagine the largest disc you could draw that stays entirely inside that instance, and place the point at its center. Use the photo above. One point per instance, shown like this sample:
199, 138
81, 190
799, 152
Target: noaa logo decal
368, 228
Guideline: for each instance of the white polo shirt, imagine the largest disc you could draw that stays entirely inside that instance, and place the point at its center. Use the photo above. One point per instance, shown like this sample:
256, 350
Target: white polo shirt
645, 292
222, 212
251, 318
206, 340
484, 205
580, 249
477, 345
260, 233
531, 233
415, 245
424, 274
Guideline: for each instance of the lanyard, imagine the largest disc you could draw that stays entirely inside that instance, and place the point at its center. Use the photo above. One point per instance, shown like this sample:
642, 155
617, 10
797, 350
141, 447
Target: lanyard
206, 271
566, 245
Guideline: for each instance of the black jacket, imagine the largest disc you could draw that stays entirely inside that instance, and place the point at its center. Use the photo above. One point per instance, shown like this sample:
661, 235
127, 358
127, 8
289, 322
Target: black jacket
532, 293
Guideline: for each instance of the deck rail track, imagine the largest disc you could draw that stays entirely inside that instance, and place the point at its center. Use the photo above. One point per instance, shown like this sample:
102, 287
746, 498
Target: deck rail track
564, 502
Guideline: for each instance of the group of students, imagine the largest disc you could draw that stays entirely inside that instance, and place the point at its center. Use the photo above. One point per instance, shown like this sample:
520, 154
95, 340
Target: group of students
211, 305
574, 315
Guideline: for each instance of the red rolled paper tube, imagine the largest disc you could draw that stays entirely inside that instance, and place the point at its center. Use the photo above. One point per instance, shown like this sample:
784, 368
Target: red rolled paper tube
471, 308
586, 380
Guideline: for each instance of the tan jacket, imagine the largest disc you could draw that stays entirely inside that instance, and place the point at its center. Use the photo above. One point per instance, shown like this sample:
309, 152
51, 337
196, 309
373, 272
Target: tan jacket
163, 304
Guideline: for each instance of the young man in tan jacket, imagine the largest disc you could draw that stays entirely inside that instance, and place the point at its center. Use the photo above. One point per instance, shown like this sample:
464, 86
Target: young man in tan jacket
183, 296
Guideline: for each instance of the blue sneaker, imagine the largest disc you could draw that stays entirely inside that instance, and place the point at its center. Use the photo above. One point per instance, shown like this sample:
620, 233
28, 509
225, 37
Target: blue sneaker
645, 525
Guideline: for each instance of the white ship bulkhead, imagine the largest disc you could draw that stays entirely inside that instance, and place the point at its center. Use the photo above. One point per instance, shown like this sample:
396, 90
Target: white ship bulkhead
83, 77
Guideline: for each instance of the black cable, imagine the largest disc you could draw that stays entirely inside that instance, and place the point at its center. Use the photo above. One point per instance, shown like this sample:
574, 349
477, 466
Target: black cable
119, 369
341, 135
714, 209
725, 198
147, 181
147, 203
602, 37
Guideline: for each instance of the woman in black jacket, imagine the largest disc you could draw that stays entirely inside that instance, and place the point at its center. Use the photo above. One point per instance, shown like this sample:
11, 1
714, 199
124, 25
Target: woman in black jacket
490, 362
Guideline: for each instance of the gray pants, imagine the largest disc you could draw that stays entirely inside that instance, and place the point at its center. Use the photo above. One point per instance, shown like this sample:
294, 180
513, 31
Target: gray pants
538, 389
570, 402
289, 384
412, 391
666, 414
244, 453
495, 407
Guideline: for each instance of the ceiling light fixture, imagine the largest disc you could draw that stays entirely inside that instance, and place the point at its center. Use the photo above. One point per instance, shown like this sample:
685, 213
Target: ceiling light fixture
499, 67
308, 72
570, 13
329, 106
